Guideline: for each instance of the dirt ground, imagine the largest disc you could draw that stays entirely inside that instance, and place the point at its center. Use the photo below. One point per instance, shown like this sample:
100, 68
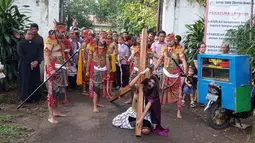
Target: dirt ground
82, 125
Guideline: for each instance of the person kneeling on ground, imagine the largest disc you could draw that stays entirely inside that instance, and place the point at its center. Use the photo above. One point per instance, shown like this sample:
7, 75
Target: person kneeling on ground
150, 120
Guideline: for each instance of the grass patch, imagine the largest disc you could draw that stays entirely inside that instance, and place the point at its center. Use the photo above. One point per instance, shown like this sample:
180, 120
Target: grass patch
7, 118
11, 130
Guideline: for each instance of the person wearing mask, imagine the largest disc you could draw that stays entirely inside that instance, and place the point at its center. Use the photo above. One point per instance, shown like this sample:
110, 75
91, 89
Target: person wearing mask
29, 72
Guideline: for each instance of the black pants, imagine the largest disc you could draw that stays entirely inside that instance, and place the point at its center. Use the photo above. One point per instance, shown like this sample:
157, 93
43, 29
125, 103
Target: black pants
125, 75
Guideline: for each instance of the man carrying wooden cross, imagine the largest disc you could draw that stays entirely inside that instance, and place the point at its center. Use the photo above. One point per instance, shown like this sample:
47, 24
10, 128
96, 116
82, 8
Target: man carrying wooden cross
149, 119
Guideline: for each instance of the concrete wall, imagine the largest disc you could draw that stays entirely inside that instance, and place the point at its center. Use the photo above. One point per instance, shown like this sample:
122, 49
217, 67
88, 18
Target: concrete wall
178, 13
43, 13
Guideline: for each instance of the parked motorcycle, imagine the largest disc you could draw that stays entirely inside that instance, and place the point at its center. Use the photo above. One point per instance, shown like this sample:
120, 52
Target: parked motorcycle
220, 118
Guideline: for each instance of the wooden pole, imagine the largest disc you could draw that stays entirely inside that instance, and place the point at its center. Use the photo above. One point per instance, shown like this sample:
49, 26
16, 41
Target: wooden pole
159, 16
251, 18
139, 107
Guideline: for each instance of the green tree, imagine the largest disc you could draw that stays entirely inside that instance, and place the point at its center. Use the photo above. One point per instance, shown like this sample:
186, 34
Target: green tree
138, 14
193, 39
200, 2
80, 9
130, 15
240, 39
11, 20
107, 11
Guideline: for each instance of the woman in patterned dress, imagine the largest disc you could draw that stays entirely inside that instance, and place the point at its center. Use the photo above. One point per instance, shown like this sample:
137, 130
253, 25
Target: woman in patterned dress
150, 120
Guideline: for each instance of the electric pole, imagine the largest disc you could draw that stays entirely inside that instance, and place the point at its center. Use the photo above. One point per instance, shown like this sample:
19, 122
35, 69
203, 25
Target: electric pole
159, 15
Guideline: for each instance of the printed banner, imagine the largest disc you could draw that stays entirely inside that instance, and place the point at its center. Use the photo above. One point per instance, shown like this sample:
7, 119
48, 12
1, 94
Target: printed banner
222, 15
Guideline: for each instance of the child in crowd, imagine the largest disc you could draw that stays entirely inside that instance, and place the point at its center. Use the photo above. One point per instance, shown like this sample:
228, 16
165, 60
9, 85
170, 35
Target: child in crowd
188, 88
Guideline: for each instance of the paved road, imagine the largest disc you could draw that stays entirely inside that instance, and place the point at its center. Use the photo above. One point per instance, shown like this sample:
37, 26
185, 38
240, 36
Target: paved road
83, 126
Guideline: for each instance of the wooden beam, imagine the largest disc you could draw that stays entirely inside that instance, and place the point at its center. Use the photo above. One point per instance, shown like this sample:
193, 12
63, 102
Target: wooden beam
122, 92
139, 107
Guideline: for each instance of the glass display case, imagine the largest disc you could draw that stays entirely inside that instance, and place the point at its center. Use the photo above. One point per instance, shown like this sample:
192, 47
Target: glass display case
231, 73
217, 69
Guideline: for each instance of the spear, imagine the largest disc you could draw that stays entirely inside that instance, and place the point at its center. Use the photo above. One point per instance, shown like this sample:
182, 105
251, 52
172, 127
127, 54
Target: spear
48, 79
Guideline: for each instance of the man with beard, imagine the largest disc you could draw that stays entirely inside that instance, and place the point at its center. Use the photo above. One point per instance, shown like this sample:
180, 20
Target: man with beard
54, 56
98, 67
171, 73
29, 71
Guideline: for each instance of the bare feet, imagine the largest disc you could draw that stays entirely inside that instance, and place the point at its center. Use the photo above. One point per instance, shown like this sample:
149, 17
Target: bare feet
85, 93
100, 105
129, 101
52, 120
179, 115
59, 115
95, 110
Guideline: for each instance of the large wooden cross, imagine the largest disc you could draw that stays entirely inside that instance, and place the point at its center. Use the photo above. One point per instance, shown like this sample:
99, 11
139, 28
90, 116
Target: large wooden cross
142, 67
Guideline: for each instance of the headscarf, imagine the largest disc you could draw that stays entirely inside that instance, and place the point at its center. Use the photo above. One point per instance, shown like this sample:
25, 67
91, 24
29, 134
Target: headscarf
86, 33
170, 36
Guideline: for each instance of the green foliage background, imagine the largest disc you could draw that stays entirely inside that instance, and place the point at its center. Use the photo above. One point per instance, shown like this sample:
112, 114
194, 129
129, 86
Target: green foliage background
200, 2
126, 15
80, 9
11, 20
240, 39
193, 39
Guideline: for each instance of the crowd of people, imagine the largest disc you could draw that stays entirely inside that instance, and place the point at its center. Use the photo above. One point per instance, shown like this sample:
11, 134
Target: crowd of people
106, 61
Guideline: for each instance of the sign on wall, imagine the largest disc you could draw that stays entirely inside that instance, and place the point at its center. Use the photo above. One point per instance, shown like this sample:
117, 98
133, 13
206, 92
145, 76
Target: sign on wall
222, 15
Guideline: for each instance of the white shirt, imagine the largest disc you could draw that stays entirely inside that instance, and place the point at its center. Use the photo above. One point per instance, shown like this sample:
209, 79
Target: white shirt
123, 52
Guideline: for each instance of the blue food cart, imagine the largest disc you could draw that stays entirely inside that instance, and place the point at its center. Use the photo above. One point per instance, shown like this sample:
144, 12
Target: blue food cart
224, 81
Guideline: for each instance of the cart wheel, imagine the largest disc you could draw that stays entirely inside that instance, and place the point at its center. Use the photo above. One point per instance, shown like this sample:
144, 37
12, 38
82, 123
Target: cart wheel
217, 117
